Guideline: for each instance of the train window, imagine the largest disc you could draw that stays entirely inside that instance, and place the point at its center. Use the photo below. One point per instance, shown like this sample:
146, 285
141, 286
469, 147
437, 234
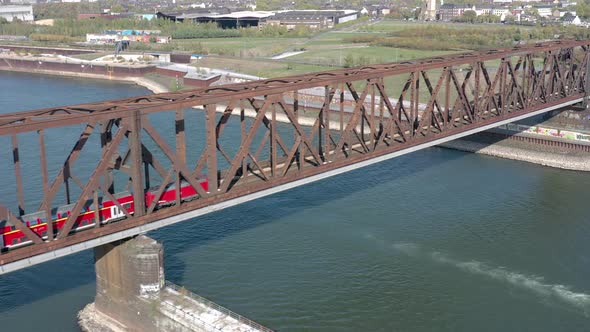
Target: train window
13, 228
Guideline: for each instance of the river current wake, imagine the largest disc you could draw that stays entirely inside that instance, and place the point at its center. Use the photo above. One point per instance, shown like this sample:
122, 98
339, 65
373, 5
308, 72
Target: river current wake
534, 284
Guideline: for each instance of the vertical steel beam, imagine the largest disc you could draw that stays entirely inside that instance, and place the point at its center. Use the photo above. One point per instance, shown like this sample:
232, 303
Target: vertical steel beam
180, 147
300, 148
447, 112
273, 142
106, 136
587, 80
330, 92
341, 108
180, 135
135, 148
45, 176
413, 102
325, 123
96, 206
476, 93
321, 128
18, 176
243, 135
211, 149
372, 116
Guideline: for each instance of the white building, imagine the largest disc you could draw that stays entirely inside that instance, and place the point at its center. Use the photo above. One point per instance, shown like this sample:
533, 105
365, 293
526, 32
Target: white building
544, 11
431, 8
501, 12
571, 20
20, 2
562, 13
483, 11
23, 13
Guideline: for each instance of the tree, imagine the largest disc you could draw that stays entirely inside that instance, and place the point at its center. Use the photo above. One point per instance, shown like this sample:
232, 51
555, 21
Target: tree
488, 18
469, 16
117, 8
583, 9
533, 12
348, 61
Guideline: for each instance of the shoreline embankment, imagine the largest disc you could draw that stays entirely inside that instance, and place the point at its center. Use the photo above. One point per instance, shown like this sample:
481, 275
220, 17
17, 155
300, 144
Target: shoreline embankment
527, 152
532, 152
68, 67
151, 85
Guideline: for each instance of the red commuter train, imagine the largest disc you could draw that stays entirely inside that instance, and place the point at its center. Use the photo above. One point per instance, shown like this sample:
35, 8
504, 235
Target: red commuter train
11, 237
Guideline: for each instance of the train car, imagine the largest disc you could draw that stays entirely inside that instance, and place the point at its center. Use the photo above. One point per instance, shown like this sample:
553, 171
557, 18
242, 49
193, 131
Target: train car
109, 211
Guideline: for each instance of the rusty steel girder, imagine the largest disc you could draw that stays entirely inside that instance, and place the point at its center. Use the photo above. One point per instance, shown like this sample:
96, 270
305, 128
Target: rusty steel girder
282, 129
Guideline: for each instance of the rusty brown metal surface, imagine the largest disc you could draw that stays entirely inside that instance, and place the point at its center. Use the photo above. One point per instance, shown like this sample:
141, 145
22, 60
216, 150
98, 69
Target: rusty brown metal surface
287, 129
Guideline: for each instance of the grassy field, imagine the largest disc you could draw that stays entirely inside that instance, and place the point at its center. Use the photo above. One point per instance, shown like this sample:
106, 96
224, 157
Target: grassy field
337, 49
328, 50
260, 68
362, 54
241, 47
390, 26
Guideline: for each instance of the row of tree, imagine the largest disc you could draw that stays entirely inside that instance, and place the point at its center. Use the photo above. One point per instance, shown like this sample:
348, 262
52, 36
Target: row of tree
470, 16
71, 27
439, 37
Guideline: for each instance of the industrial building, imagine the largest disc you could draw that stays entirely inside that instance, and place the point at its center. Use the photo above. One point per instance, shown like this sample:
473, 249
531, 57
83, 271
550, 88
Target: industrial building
317, 19
11, 12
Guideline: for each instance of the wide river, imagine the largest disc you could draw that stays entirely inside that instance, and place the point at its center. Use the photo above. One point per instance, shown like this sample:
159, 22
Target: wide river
438, 240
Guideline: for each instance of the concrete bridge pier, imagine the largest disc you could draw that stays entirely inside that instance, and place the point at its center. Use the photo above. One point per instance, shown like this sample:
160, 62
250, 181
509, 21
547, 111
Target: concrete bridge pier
132, 295
129, 278
126, 270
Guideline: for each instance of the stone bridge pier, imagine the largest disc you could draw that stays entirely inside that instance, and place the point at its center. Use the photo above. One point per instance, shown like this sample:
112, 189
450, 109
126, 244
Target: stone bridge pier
129, 278
132, 295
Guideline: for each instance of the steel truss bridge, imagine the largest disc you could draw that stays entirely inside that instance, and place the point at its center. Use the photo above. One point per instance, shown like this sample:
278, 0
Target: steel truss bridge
253, 139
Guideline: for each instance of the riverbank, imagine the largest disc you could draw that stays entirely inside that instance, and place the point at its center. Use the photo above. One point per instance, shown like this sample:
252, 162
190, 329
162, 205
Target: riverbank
525, 151
145, 82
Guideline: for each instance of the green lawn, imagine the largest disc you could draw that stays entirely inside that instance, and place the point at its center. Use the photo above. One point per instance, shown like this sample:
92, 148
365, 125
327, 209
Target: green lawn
393, 26
261, 68
244, 47
371, 54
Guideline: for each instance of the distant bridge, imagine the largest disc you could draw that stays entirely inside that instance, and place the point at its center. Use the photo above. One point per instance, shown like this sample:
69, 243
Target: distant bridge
243, 141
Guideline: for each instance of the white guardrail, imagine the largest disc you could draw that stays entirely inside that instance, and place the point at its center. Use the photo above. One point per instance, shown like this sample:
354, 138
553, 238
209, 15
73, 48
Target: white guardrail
215, 306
